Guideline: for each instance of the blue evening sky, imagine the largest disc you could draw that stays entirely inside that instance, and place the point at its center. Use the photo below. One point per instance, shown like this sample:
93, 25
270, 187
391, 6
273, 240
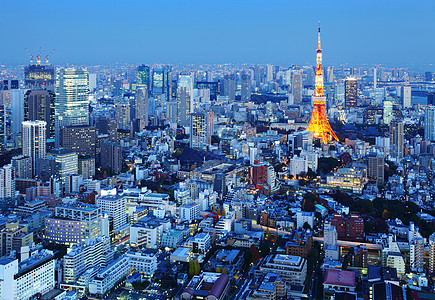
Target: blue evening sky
399, 33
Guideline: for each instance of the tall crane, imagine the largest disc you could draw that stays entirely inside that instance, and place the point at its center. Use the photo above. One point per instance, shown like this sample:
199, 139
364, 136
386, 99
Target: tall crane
47, 56
30, 55
38, 57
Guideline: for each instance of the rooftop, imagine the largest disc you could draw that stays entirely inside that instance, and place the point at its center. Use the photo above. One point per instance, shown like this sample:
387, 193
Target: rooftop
340, 277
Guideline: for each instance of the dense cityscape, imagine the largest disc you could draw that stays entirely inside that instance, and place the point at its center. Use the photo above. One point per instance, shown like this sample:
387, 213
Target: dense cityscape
216, 181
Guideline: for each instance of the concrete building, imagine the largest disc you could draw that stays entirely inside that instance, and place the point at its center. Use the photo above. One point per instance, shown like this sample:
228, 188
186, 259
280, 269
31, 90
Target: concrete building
143, 262
292, 269
116, 208
66, 162
189, 212
303, 217
81, 139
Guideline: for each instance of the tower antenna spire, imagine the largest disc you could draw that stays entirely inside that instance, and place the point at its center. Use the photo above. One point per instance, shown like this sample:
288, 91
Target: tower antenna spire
319, 38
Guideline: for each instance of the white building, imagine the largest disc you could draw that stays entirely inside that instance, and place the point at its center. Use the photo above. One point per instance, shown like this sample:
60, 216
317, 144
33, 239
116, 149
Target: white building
7, 182
292, 269
200, 243
32, 276
109, 276
172, 239
34, 141
406, 96
303, 217
392, 257
298, 165
142, 262
148, 232
429, 123
189, 212
330, 242
115, 207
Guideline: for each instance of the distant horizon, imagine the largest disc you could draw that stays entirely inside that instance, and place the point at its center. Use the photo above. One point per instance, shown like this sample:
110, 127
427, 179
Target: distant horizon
278, 32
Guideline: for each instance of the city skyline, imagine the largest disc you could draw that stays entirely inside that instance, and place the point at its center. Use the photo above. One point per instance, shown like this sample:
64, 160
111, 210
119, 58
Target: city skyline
224, 32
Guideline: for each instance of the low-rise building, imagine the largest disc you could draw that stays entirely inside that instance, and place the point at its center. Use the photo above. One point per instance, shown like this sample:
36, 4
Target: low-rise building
292, 269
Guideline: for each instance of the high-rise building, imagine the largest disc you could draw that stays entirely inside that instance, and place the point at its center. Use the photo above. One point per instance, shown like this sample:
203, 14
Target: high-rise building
396, 139
297, 86
376, 168
7, 183
429, 123
431, 98
143, 75
72, 100
17, 114
350, 93
2, 126
34, 141
123, 116
116, 208
213, 87
39, 77
141, 107
81, 139
406, 96
39, 105
229, 87
111, 156
387, 112
158, 83
246, 87
22, 166
66, 162
428, 76
201, 129
184, 99
269, 73
319, 125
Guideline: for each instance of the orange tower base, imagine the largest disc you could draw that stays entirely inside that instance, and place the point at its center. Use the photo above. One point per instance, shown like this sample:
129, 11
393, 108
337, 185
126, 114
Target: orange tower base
319, 124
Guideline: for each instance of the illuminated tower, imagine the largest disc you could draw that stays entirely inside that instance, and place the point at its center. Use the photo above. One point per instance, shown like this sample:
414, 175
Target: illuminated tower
319, 124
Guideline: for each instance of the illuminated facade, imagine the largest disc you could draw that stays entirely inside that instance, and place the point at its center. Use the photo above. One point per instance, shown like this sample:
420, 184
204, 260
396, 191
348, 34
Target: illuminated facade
184, 99
39, 105
201, 129
34, 141
72, 99
143, 75
39, 77
319, 124
350, 93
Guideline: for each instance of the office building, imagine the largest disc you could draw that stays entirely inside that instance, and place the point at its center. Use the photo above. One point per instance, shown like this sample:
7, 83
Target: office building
158, 82
213, 87
292, 269
63, 231
72, 100
3, 130
7, 183
189, 212
229, 87
429, 123
88, 215
143, 75
184, 99
22, 166
375, 170
143, 262
116, 208
66, 162
109, 276
39, 77
39, 105
350, 93
111, 156
122, 116
81, 139
17, 115
350, 228
34, 141
14, 236
246, 87
297, 86
84, 256
406, 96
396, 139
87, 166
303, 217
141, 105
201, 129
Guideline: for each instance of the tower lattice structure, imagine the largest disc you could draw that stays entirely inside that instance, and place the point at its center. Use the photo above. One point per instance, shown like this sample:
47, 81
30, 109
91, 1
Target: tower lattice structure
319, 124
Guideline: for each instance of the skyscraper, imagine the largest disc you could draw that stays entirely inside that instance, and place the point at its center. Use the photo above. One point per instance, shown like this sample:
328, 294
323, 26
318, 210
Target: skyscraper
297, 87
39, 105
79, 138
184, 99
72, 100
158, 82
246, 87
319, 124
229, 87
429, 123
376, 168
17, 107
34, 141
141, 107
396, 139
66, 162
201, 127
350, 93
143, 75
430, 98
406, 96
123, 116
2, 126
269, 73
39, 77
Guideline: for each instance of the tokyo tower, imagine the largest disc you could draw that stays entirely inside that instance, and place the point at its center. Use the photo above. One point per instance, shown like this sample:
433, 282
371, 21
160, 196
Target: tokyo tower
319, 124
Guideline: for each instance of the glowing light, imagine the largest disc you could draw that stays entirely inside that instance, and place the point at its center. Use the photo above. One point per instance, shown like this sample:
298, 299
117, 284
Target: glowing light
319, 124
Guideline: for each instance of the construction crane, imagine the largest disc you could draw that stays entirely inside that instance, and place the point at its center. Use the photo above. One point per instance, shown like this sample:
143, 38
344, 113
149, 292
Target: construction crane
47, 56
30, 55
38, 57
